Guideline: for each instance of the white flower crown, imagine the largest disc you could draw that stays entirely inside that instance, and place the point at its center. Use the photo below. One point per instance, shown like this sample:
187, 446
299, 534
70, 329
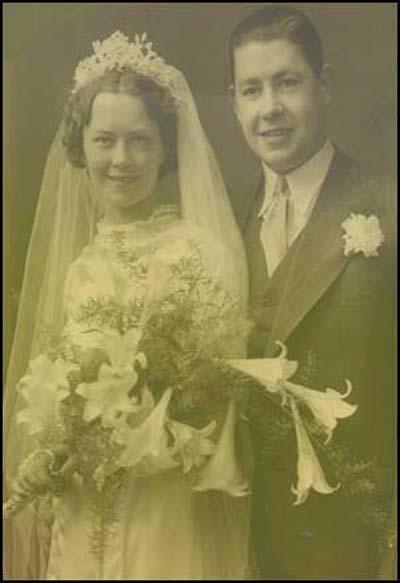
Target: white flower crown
117, 53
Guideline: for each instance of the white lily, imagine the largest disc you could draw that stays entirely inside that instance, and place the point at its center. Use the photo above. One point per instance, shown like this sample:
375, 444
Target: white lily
109, 395
43, 389
193, 445
270, 372
122, 349
327, 406
222, 472
309, 471
274, 373
148, 443
143, 408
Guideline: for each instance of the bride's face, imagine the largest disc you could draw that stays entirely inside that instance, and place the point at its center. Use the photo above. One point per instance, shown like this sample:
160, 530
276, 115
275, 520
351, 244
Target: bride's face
123, 149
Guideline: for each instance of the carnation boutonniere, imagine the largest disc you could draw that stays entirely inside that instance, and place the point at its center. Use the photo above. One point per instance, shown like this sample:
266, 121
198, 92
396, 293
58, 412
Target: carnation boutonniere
362, 235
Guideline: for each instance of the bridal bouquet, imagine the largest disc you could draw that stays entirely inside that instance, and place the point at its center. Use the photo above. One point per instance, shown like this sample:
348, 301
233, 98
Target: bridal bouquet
143, 387
130, 388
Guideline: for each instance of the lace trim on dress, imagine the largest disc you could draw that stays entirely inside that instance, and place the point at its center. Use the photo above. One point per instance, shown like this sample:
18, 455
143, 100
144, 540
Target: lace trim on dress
160, 215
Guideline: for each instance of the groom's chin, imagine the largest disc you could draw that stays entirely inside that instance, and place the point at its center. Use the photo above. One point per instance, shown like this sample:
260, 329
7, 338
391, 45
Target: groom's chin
280, 161
283, 161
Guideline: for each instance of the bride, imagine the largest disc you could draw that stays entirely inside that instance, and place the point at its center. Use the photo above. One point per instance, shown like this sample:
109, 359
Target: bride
130, 139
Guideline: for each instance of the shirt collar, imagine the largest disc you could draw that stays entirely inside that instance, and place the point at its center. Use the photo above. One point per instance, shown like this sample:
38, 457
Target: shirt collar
304, 182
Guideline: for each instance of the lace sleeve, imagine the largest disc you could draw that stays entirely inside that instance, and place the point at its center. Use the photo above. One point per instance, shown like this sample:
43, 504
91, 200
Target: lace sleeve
87, 280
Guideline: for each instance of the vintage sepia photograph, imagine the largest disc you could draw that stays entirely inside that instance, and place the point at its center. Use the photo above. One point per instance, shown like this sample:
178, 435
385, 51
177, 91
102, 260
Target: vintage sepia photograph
200, 291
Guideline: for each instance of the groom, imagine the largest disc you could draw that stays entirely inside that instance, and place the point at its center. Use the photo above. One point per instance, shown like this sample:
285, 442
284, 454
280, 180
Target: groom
331, 302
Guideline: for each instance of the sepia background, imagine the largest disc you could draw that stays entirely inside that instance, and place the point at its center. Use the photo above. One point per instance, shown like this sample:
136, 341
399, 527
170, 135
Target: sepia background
44, 42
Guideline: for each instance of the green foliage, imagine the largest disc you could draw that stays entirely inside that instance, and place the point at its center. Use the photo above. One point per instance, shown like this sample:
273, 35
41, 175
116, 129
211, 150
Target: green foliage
103, 512
363, 482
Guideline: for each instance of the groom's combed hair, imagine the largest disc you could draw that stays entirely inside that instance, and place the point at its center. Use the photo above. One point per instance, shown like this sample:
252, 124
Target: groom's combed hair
279, 22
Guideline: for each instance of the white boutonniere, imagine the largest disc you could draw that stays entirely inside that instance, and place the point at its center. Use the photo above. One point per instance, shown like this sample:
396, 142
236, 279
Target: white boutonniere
362, 235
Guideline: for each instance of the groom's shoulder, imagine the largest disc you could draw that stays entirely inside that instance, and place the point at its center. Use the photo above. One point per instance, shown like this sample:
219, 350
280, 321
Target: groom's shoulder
373, 185
344, 169
380, 191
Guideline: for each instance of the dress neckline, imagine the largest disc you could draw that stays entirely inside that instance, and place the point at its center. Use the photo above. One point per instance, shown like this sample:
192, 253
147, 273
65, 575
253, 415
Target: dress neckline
160, 213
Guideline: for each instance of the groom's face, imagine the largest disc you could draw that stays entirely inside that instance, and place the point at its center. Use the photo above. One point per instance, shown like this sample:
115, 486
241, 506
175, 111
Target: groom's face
280, 102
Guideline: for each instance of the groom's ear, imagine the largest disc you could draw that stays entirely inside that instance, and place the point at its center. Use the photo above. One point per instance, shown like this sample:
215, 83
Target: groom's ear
326, 81
232, 99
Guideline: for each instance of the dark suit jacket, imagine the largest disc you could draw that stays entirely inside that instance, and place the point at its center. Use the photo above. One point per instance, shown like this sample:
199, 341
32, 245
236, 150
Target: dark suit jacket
337, 313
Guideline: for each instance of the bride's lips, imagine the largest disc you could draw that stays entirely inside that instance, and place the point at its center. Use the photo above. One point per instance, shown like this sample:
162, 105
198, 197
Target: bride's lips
124, 179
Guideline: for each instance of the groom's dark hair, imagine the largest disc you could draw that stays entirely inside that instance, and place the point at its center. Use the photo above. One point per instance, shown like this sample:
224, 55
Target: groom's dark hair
275, 22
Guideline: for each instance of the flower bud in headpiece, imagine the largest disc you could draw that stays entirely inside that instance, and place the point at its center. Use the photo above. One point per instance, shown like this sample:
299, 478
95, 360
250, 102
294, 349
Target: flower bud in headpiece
117, 53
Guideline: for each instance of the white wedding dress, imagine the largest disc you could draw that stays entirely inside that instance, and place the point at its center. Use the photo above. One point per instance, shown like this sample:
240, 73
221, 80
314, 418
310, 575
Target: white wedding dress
166, 530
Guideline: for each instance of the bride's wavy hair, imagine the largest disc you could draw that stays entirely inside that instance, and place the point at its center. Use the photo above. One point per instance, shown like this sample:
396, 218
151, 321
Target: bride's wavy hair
158, 102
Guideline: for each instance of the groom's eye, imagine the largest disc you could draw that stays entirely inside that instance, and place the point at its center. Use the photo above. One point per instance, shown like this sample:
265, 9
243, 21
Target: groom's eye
288, 83
251, 91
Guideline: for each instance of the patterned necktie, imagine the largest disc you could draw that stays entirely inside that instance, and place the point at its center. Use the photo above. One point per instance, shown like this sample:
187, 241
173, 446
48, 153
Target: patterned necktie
273, 231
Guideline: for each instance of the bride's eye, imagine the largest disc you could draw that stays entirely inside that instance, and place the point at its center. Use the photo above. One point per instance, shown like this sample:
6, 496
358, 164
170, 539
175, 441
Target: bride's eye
103, 140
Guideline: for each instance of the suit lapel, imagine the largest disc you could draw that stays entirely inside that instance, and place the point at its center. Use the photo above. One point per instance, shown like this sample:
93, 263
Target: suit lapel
316, 258
258, 274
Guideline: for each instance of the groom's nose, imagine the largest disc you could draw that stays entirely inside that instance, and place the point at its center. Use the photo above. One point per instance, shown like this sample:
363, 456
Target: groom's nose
270, 104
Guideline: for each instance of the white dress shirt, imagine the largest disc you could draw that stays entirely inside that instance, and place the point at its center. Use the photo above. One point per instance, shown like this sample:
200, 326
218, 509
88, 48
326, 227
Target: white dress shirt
305, 185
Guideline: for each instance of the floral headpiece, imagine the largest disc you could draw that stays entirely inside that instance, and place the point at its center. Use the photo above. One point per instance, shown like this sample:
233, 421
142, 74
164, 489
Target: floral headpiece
117, 53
